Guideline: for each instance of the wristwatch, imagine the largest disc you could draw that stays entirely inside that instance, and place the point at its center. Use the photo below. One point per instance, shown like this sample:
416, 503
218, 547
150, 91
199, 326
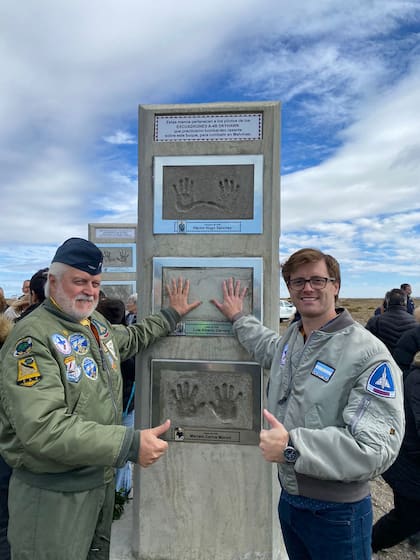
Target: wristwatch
290, 453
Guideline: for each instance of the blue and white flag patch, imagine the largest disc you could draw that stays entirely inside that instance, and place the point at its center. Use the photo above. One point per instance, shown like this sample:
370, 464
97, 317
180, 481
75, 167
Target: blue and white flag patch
381, 382
323, 371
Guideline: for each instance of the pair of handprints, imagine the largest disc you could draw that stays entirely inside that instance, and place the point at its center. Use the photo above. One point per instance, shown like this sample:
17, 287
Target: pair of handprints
185, 196
224, 405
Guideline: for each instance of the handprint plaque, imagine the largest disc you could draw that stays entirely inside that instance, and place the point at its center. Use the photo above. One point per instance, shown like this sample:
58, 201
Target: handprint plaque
208, 194
208, 402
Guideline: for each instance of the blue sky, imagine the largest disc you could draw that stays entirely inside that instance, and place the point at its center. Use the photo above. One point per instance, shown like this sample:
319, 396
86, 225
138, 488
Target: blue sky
347, 74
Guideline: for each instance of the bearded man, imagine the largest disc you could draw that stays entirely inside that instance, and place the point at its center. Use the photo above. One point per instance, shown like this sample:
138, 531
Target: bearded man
61, 410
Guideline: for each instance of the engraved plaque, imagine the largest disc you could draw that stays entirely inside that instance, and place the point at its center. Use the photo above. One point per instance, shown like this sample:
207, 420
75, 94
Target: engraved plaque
207, 402
118, 257
225, 127
120, 290
206, 276
208, 194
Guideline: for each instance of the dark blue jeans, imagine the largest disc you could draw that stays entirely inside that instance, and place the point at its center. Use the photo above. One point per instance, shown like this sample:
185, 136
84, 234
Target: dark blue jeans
327, 530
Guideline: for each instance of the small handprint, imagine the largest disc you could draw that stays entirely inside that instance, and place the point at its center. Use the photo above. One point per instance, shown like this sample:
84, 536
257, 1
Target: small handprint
184, 191
185, 399
228, 194
123, 256
225, 406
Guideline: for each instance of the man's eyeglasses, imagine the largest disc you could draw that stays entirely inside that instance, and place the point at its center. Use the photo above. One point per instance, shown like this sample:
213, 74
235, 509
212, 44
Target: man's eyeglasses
316, 282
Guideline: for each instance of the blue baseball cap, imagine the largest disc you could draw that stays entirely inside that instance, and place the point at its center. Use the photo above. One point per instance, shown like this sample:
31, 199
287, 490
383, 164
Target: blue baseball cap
80, 253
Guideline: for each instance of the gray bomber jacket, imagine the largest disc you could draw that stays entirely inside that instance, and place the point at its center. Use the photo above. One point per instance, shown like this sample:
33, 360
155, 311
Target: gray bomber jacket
339, 394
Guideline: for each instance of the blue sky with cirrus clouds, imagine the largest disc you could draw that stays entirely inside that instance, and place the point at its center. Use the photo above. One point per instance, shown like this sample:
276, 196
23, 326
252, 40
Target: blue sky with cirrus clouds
347, 74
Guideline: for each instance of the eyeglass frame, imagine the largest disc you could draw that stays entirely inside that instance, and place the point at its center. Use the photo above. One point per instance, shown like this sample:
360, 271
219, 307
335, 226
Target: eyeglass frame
310, 280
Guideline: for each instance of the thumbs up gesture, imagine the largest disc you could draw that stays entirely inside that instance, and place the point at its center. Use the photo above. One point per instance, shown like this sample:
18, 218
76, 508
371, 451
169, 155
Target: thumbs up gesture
151, 446
274, 440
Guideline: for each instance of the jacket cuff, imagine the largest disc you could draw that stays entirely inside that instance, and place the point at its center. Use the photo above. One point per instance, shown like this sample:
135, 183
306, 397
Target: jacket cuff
172, 316
130, 448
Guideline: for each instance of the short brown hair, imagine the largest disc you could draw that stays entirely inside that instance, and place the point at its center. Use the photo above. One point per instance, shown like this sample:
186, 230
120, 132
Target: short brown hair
308, 255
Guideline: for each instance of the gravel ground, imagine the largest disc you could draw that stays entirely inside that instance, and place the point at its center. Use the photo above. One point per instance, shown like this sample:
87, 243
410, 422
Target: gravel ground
383, 502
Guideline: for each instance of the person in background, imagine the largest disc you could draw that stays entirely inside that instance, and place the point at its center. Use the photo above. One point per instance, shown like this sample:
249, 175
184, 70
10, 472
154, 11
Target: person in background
334, 408
113, 310
131, 309
26, 287
61, 410
37, 295
36, 291
382, 308
20, 304
404, 475
390, 325
406, 288
3, 303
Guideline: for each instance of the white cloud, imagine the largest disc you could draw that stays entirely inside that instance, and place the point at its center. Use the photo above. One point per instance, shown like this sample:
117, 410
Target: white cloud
74, 73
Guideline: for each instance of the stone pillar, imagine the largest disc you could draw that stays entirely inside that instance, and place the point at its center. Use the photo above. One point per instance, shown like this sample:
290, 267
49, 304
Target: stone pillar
209, 207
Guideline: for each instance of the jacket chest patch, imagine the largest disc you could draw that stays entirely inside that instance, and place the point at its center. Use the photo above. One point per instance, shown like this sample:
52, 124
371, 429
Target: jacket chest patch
79, 343
73, 371
323, 371
101, 328
90, 368
61, 343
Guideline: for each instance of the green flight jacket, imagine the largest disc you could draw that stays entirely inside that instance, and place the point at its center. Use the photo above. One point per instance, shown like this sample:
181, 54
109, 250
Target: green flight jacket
61, 396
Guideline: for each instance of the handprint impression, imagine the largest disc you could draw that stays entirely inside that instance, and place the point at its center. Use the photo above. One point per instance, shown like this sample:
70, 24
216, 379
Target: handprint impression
185, 196
225, 406
185, 400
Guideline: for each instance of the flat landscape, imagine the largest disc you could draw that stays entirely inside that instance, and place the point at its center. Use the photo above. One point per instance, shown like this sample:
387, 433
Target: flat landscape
361, 309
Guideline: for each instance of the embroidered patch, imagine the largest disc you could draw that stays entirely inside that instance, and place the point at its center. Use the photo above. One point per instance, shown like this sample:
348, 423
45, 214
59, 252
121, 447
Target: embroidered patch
90, 368
110, 346
284, 355
61, 343
101, 328
23, 347
323, 371
73, 371
28, 372
381, 382
79, 343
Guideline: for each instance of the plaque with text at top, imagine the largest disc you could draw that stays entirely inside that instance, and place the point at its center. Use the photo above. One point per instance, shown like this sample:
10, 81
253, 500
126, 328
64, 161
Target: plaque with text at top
207, 402
206, 276
208, 194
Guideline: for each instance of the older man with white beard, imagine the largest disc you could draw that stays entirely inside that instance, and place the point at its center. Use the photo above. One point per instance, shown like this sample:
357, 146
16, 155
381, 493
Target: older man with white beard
61, 410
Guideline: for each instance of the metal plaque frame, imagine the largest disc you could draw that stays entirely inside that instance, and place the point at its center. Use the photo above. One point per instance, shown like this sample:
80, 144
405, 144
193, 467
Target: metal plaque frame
197, 323
120, 288
125, 252
212, 226
207, 401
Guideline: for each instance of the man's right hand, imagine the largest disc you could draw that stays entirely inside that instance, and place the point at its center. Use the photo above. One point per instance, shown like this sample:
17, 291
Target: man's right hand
151, 446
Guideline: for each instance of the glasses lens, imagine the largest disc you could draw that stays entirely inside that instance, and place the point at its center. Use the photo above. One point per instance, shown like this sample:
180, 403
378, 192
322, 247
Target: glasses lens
318, 282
